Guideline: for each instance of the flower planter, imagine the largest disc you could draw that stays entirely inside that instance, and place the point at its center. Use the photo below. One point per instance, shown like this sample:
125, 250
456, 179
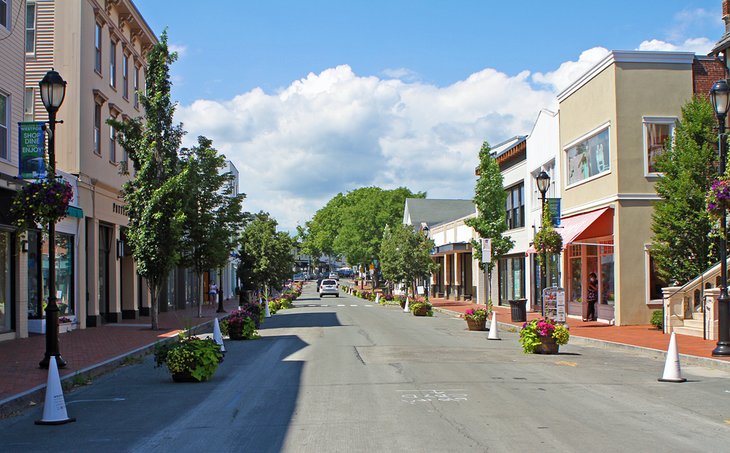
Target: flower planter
184, 377
423, 311
547, 346
235, 335
472, 324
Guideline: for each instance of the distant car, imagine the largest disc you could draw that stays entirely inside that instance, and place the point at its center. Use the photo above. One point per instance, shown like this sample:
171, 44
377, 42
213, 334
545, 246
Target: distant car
334, 275
299, 277
329, 287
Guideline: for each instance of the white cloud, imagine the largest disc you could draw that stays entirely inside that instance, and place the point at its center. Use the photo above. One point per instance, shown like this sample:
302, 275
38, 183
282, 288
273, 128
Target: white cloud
701, 46
571, 70
181, 49
336, 131
403, 74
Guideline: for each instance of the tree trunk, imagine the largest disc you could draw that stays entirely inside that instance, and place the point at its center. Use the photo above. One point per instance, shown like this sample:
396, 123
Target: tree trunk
154, 305
201, 295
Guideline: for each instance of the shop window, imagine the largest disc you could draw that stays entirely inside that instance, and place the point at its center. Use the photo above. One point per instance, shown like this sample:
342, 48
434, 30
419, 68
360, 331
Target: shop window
6, 301
511, 278
588, 158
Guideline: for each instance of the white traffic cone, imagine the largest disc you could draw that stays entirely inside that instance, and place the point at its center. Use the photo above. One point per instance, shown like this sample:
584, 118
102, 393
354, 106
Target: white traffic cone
267, 313
406, 309
54, 409
217, 336
672, 372
493, 333
377, 299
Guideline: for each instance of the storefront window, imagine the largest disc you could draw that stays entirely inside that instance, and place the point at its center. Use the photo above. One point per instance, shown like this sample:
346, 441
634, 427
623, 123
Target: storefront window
6, 262
35, 306
511, 279
576, 267
588, 158
606, 278
64, 273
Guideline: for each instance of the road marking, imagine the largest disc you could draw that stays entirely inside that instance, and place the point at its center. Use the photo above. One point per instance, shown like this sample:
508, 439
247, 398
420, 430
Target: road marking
96, 401
353, 305
429, 396
340, 305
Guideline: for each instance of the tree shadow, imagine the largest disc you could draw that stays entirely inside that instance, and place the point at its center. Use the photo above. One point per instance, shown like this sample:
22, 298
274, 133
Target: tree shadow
287, 319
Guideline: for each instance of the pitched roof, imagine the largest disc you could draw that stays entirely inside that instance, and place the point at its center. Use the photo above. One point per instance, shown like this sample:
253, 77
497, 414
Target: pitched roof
432, 211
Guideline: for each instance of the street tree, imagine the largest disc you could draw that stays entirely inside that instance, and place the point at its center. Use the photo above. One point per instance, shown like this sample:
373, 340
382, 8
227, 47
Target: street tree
491, 220
405, 256
213, 213
684, 242
267, 253
153, 197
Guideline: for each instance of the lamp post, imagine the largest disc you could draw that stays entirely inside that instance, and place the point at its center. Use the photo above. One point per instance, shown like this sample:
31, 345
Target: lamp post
720, 97
53, 90
543, 184
425, 229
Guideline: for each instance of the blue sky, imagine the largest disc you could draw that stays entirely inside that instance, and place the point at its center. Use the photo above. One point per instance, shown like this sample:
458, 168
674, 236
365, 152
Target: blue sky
311, 98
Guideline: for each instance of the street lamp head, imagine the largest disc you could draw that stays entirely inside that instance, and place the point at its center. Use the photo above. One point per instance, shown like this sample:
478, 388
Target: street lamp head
53, 90
543, 182
425, 228
720, 97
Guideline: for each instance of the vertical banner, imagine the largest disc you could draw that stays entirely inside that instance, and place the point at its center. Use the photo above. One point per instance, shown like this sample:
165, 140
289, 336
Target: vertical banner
486, 250
32, 146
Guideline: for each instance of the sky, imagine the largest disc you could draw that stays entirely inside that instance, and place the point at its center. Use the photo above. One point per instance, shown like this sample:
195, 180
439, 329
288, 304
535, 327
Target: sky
312, 98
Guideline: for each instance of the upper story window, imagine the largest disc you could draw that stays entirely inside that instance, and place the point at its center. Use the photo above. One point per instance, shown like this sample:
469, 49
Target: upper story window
112, 63
588, 157
97, 128
125, 76
4, 14
30, 27
4, 125
97, 44
112, 144
515, 206
28, 105
136, 87
657, 131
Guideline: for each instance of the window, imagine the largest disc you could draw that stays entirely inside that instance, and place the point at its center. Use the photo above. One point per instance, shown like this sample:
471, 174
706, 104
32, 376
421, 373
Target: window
588, 158
136, 87
657, 131
112, 144
515, 206
6, 280
97, 44
112, 64
125, 77
97, 128
4, 14
511, 278
28, 107
30, 28
4, 120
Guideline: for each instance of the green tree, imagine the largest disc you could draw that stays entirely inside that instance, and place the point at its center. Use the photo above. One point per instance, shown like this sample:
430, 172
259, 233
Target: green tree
153, 197
213, 215
490, 199
405, 255
267, 252
682, 243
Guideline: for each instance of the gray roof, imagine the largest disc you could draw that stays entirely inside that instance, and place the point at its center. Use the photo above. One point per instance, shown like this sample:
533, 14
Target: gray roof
432, 212
507, 145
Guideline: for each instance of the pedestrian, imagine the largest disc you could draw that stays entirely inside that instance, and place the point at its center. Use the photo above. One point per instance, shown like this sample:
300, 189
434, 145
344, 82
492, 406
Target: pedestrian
592, 297
212, 293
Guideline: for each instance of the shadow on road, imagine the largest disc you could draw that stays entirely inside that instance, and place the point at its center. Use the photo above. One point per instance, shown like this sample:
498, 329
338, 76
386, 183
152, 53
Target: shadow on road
288, 319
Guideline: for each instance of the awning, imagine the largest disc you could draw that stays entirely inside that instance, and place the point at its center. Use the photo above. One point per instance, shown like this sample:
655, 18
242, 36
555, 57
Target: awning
591, 224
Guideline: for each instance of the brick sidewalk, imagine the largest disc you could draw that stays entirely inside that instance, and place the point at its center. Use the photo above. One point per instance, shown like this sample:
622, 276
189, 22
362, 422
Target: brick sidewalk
639, 336
85, 349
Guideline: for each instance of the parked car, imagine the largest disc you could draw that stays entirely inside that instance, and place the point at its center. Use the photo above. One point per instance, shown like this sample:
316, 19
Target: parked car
329, 287
334, 275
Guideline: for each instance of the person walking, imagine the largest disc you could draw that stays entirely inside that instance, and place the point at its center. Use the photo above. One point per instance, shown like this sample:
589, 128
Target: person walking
592, 297
212, 293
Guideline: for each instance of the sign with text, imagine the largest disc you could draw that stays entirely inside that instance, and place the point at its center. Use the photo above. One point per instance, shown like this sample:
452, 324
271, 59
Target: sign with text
486, 250
553, 206
32, 147
554, 301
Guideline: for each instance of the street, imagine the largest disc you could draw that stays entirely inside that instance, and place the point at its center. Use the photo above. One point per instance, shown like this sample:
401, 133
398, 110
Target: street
343, 374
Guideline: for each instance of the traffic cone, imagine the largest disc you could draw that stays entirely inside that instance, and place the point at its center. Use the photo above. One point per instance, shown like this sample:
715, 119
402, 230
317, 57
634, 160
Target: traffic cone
217, 336
493, 333
54, 409
406, 309
377, 299
266, 309
672, 373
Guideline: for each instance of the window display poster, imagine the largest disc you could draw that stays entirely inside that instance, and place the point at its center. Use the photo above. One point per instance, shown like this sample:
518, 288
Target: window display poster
589, 157
554, 300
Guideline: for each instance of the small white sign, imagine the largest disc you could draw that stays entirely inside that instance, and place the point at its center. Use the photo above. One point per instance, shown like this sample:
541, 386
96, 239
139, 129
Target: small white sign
419, 289
486, 250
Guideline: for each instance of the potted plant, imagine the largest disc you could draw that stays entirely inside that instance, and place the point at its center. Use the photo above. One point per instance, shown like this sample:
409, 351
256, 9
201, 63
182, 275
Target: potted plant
543, 336
42, 202
189, 359
421, 308
243, 322
476, 319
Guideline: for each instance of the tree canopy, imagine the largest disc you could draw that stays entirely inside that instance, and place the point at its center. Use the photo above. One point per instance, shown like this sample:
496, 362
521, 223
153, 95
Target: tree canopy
405, 255
266, 255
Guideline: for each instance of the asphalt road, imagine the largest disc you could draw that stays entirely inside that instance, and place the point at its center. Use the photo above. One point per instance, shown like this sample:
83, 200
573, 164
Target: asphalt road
345, 375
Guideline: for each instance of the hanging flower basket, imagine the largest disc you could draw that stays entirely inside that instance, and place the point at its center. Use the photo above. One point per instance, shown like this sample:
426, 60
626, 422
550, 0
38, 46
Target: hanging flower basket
41, 203
717, 197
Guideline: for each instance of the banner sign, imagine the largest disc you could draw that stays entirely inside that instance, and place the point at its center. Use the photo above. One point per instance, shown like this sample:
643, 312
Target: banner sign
554, 302
553, 205
486, 250
32, 147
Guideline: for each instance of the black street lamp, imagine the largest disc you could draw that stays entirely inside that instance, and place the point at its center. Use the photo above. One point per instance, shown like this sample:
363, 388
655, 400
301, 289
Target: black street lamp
720, 97
543, 184
427, 284
53, 90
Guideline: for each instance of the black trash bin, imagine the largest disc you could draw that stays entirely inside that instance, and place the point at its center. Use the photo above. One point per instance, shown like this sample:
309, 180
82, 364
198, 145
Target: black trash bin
519, 310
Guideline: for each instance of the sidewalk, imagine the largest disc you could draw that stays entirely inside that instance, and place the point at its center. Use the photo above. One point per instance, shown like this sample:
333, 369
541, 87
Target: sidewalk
93, 351
691, 349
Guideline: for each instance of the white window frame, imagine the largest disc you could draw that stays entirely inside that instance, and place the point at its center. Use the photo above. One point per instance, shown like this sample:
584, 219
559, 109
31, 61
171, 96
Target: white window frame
566, 167
28, 5
97, 48
6, 126
97, 129
136, 87
8, 16
671, 121
125, 76
112, 144
29, 104
112, 63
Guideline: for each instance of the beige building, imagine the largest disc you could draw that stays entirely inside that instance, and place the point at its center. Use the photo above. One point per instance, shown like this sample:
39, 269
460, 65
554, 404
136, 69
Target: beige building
614, 121
99, 47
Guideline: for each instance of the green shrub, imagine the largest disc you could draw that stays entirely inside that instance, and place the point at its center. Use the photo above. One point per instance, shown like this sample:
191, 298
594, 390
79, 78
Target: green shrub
199, 357
657, 319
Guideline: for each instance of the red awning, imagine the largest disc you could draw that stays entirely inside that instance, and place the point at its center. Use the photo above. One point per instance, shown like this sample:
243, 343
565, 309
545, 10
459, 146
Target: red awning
589, 224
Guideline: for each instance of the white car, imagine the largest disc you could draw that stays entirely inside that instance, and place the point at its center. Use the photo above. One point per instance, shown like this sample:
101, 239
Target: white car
329, 287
